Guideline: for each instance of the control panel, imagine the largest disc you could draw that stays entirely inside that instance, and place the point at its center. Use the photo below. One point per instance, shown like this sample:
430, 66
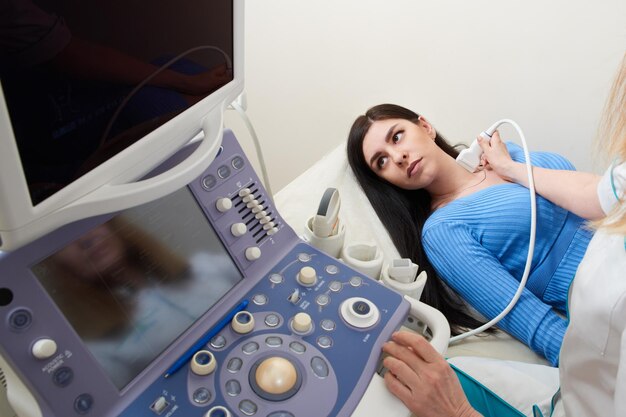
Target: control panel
299, 349
274, 327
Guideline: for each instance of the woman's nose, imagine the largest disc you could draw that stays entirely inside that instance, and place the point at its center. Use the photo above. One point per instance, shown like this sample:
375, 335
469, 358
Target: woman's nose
400, 157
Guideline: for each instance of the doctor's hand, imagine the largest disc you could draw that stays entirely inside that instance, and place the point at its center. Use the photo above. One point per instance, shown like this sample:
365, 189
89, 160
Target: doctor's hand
422, 379
496, 157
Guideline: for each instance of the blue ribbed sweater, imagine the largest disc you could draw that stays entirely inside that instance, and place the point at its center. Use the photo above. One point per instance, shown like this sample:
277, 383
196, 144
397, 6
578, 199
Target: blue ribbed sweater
479, 243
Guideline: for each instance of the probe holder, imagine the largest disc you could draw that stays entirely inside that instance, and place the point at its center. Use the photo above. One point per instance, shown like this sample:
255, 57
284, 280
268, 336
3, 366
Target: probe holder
412, 289
365, 258
332, 244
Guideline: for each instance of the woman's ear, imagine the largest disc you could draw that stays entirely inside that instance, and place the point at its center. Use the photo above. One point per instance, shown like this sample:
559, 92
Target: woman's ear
430, 130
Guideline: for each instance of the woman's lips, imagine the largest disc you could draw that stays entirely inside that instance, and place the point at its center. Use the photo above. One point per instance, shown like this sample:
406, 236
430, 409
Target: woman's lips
412, 169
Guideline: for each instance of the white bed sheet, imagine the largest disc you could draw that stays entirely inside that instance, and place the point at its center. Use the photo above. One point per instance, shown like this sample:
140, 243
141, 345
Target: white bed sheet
299, 200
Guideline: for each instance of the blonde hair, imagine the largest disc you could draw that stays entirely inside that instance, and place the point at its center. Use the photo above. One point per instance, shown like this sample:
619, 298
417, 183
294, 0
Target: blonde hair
611, 139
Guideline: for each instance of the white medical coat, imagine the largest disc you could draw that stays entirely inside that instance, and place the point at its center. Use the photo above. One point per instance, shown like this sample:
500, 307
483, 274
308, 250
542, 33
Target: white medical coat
593, 355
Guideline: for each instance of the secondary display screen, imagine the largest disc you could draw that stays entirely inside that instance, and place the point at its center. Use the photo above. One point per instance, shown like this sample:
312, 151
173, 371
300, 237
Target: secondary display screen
131, 286
80, 78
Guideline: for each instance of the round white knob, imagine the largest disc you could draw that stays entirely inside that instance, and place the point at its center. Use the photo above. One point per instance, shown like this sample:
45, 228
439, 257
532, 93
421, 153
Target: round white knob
238, 229
203, 363
302, 323
223, 204
243, 322
44, 348
253, 253
359, 312
307, 276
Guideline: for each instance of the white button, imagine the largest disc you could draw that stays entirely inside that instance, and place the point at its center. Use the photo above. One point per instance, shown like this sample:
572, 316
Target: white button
265, 220
307, 276
248, 198
253, 253
203, 363
256, 209
272, 231
260, 215
302, 323
244, 192
243, 322
253, 203
224, 204
238, 229
44, 348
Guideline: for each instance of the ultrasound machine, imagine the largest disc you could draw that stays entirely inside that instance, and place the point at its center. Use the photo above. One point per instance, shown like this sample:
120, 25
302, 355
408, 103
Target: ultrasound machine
144, 269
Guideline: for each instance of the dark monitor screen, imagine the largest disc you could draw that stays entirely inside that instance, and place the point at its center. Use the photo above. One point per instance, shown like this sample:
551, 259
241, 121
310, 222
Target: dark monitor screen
84, 80
131, 286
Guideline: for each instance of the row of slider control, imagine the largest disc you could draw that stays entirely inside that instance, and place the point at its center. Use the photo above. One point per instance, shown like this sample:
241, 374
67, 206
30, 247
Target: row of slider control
258, 209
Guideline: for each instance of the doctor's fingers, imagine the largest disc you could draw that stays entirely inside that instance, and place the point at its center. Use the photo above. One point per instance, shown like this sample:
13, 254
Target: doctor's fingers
398, 388
402, 372
405, 355
420, 346
441, 395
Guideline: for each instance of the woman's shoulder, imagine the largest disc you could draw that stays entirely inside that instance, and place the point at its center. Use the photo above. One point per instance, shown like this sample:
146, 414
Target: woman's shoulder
541, 159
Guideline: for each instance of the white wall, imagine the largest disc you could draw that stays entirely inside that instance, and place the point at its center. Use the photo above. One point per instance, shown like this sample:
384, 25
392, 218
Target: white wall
313, 66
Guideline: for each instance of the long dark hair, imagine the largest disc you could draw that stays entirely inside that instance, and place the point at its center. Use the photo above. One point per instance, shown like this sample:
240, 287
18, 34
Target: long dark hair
404, 212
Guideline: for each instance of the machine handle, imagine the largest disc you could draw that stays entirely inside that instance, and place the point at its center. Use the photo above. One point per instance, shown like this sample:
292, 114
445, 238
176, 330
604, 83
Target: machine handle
119, 196
435, 320
377, 400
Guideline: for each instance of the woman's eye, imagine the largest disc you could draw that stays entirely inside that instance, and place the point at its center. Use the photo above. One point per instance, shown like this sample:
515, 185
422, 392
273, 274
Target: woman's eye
380, 163
396, 137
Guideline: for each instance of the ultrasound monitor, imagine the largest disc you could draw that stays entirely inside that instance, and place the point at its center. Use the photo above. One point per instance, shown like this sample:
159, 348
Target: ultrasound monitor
96, 94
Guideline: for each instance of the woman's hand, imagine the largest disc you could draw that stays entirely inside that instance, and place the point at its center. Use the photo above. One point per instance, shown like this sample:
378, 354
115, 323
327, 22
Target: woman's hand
496, 157
421, 378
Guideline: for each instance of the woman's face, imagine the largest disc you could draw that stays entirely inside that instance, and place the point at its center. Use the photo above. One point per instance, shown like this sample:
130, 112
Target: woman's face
402, 152
95, 254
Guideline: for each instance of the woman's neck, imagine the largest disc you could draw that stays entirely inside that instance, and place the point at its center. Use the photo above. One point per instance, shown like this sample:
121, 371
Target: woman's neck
455, 182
